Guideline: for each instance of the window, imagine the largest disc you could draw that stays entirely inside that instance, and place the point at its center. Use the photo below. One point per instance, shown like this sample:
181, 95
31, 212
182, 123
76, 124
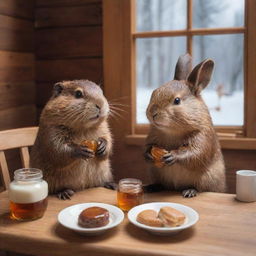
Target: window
204, 28
135, 50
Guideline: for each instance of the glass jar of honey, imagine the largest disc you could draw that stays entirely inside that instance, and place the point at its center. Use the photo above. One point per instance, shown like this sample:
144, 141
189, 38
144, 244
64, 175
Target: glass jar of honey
129, 193
28, 194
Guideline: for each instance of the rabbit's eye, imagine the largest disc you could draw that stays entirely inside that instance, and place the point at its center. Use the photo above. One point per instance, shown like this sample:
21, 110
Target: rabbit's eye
176, 101
78, 94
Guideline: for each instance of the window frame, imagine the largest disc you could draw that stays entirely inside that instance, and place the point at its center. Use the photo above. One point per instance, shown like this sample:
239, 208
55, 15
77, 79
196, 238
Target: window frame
119, 69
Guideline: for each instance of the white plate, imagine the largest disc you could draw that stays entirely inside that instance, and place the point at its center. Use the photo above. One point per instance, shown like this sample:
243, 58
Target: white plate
68, 217
191, 217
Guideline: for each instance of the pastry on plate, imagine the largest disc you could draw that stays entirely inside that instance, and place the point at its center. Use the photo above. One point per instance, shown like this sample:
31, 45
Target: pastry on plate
93, 217
171, 217
149, 217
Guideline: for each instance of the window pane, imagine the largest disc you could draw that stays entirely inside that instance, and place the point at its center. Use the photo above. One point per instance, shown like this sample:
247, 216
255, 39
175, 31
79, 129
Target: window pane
224, 95
156, 60
161, 14
218, 13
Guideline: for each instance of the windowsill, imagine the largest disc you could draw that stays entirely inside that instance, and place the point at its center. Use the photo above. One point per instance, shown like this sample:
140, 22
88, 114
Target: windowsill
239, 143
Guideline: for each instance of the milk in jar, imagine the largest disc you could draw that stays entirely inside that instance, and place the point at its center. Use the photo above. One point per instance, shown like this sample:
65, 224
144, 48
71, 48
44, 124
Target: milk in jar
28, 194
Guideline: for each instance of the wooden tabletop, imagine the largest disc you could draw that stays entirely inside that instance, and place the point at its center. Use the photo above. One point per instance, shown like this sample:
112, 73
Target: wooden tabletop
225, 227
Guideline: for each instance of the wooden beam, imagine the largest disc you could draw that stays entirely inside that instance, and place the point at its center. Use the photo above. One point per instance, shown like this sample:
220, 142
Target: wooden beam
192, 32
189, 26
227, 142
250, 56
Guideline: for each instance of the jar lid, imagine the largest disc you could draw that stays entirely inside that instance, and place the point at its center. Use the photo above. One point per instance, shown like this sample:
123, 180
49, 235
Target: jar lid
131, 181
28, 174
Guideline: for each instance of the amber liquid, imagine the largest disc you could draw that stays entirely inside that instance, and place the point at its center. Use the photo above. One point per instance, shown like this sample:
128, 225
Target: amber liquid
29, 211
126, 199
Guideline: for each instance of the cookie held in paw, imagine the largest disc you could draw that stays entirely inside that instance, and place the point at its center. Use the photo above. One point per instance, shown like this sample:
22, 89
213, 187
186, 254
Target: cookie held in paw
91, 144
158, 154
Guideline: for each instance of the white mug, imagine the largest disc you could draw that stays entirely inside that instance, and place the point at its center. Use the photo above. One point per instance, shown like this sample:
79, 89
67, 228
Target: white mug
246, 185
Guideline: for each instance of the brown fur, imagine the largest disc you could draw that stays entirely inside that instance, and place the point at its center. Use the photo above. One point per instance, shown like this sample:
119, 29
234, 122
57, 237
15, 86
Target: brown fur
67, 121
187, 131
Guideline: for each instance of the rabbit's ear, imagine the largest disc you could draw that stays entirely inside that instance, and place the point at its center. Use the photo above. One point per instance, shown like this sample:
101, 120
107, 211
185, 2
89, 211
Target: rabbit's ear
200, 76
183, 67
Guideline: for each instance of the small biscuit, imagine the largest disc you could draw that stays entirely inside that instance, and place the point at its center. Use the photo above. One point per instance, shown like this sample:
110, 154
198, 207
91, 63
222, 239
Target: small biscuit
157, 154
149, 217
171, 217
91, 144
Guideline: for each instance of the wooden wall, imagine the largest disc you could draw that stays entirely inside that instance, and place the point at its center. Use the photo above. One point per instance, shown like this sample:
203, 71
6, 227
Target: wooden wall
68, 43
17, 90
17, 73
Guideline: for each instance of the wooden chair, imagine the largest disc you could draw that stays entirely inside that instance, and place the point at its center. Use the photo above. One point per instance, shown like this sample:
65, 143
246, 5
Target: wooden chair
16, 138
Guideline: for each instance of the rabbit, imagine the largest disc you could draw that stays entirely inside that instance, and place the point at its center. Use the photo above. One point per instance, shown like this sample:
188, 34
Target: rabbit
181, 124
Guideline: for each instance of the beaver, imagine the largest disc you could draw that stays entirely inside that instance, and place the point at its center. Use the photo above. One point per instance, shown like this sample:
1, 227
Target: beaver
77, 111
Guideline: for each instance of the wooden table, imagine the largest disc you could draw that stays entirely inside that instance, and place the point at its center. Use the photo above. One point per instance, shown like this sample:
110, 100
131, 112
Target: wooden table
226, 227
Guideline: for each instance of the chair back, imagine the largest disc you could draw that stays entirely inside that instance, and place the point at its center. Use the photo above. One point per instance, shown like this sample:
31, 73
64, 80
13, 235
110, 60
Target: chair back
20, 138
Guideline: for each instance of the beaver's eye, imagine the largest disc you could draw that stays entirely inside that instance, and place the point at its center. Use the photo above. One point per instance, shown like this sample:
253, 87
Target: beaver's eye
78, 94
176, 101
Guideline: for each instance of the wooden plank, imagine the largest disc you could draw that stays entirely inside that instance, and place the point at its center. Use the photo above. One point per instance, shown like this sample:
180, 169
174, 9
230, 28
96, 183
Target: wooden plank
18, 8
189, 26
53, 3
24, 154
16, 34
16, 67
69, 16
69, 42
57, 70
15, 94
119, 83
18, 117
198, 31
234, 131
219, 231
4, 170
16, 24
228, 142
250, 90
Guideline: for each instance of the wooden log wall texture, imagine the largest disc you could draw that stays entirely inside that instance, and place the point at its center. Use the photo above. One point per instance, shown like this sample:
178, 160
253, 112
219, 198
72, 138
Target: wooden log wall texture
17, 69
17, 62
68, 43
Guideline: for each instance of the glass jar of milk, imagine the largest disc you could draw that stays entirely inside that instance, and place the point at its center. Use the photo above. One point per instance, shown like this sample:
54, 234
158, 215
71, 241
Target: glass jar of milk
28, 194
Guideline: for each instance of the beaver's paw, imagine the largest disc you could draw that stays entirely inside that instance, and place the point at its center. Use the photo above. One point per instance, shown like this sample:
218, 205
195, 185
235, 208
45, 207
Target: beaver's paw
65, 194
102, 147
82, 152
169, 158
148, 157
191, 192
